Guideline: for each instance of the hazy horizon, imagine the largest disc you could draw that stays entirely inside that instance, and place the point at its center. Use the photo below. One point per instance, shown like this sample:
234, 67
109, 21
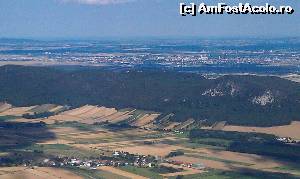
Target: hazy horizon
144, 38
90, 19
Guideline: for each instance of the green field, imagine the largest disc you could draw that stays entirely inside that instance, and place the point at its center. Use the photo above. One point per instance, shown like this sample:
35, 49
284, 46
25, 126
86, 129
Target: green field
218, 159
94, 174
76, 125
7, 118
194, 145
291, 168
213, 141
146, 172
62, 149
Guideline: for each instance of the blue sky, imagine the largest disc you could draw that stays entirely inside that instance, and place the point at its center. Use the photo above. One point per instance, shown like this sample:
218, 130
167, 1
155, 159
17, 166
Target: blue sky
136, 18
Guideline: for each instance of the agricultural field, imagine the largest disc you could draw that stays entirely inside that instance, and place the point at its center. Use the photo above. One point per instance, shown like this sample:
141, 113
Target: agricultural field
36, 172
33, 112
43, 108
95, 133
120, 172
89, 114
292, 77
146, 119
17, 111
4, 106
291, 130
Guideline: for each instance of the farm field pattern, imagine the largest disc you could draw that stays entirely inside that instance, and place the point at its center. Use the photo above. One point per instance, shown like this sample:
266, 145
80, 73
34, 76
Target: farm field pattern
73, 133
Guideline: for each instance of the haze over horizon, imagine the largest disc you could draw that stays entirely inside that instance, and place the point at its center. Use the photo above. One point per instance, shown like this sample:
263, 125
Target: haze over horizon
84, 19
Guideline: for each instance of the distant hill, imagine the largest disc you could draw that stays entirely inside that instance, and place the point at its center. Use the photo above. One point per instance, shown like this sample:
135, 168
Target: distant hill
239, 100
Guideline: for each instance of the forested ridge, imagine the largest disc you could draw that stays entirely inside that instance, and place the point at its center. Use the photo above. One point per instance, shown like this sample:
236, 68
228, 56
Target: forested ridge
241, 100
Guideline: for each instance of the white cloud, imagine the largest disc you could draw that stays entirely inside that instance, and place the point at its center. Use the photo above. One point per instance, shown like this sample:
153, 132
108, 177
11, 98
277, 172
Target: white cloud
98, 2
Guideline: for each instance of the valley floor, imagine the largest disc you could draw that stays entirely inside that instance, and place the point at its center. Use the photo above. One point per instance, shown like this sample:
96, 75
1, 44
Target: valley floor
69, 143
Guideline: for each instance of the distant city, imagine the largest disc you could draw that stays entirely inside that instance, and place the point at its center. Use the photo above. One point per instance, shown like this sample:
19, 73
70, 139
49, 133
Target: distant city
254, 56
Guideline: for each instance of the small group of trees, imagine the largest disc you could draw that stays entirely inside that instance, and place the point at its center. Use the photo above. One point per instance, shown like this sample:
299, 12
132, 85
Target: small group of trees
37, 115
175, 153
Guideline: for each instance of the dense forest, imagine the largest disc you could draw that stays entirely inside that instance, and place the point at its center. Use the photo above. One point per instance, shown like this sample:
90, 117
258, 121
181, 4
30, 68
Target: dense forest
242, 100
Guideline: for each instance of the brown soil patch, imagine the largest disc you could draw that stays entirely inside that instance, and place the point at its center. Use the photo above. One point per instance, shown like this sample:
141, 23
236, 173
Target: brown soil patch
105, 112
133, 146
90, 111
232, 160
79, 110
17, 111
57, 141
171, 125
146, 119
219, 125
64, 130
61, 118
114, 117
256, 160
89, 114
207, 163
123, 117
57, 109
75, 134
292, 130
187, 171
37, 172
92, 135
4, 107
155, 150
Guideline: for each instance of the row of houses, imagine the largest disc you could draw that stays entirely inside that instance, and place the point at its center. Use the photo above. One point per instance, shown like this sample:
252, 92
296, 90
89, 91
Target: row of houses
117, 159
286, 140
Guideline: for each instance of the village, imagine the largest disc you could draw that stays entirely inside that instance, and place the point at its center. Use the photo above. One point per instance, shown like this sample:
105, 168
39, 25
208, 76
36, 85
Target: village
117, 159
128, 143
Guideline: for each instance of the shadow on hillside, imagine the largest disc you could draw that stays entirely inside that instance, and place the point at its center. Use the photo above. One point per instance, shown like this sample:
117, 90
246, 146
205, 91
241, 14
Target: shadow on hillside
16, 138
259, 174
260, 168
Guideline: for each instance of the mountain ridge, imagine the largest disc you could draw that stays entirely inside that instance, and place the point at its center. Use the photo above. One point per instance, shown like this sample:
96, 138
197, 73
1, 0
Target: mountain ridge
239, 100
